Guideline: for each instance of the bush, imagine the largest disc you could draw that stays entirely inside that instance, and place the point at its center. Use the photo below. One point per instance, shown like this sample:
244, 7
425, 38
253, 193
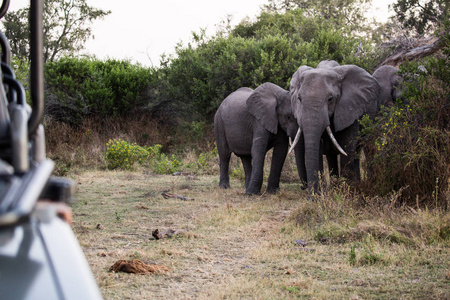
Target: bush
81, 87
121, 154
195, 82
159, 162
409, 146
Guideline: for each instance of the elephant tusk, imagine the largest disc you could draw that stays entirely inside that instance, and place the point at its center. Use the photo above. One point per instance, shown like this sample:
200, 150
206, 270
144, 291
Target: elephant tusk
335, 143
297, 137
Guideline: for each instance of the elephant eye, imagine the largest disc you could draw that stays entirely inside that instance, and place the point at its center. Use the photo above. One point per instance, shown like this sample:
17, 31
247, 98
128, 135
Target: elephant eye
330, 99
299, 98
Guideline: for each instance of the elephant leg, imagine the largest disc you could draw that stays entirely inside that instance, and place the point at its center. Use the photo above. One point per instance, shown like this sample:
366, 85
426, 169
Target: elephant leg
278, 158
259, 149
350, 163
332, 160
300, 161
224, 159
247, 164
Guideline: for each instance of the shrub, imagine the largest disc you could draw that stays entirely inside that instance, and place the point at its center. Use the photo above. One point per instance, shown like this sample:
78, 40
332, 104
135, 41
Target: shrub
121, 154
80, 87
159, 162
271, 49
408, 145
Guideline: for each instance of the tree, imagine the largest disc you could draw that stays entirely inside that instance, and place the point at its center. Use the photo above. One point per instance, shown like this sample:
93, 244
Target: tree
419, 28
421, 15
348, 13
66, 27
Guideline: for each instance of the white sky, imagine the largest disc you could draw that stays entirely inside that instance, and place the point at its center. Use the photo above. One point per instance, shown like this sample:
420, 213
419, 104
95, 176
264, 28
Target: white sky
142, 30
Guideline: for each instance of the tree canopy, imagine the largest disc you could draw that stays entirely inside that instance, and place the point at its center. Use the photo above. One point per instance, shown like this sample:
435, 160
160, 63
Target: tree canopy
422, 15
350, 14
66, 26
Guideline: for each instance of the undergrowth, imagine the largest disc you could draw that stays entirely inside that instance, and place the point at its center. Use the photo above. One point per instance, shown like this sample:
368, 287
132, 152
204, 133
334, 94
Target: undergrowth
367, 226
408, 144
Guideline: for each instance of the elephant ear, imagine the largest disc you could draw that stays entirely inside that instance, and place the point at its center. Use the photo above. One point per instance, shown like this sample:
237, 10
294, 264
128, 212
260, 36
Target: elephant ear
296, 84
396, 83
262, 104
359, 95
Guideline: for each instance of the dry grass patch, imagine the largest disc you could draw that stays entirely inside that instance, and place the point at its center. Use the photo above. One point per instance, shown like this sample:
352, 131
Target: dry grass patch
262, 247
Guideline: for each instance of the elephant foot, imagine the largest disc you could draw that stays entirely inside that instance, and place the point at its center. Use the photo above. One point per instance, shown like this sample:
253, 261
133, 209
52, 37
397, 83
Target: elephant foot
224, 186
251, 192
272, 190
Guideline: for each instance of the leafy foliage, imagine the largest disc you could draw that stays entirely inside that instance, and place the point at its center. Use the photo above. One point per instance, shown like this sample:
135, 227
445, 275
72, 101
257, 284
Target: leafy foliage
65, 27
80, 87
349, 14
409, 145
123, 155
202, 74
421, 16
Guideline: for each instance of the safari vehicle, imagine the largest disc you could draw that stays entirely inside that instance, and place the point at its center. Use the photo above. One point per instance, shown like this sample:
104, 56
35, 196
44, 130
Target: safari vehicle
40, 257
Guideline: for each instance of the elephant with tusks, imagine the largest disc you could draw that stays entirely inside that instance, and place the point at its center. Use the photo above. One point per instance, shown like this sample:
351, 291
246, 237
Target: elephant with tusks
249, 123
328, 102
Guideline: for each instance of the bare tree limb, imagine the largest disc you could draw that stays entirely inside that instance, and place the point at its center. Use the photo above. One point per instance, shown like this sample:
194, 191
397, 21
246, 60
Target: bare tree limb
402, 55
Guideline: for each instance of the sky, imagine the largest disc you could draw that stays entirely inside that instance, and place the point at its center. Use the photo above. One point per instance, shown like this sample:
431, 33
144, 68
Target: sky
142, 30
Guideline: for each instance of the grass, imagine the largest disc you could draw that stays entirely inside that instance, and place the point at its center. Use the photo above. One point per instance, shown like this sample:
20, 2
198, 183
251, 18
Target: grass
234, 246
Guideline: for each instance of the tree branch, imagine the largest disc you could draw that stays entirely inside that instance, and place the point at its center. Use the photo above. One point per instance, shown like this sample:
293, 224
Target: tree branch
402, 55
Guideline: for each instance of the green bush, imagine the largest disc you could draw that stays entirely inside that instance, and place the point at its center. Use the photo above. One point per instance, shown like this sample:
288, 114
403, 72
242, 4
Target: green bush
122, 155
195, 82
159, 162
80, 87
205, 160
408, 145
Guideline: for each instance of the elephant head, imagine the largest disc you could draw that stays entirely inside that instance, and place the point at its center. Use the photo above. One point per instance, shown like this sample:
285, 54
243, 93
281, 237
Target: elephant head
330, 98
391, 84
271, 106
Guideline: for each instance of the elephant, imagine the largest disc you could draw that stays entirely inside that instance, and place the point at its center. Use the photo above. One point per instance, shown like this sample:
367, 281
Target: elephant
249, 123
391, 84
331, 98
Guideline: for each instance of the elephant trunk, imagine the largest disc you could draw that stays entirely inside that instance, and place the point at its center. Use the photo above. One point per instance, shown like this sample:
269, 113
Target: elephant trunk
313, 160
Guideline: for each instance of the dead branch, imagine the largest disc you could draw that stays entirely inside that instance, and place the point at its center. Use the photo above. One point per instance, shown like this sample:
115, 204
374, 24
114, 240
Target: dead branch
169, 195
403, 54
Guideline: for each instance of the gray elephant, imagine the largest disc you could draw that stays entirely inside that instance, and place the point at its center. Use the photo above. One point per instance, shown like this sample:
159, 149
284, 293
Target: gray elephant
390, 81
249, 123
331, 98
